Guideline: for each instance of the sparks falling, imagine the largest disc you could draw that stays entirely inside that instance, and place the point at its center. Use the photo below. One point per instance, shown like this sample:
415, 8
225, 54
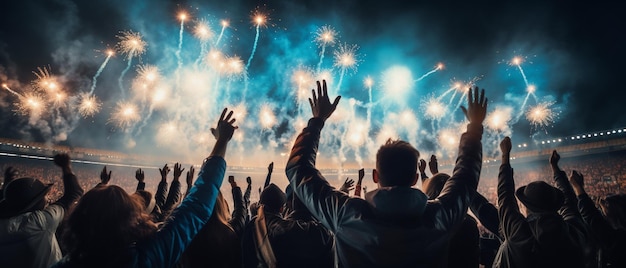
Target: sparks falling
345, 59
125, 115
325, 36
88, 105
541, 115
132, 45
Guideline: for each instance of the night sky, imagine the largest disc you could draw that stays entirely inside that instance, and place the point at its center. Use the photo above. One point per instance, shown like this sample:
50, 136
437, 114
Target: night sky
573, 53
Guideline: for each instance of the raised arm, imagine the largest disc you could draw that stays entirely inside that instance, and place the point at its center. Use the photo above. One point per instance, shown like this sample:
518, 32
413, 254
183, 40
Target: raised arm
165, 247
591, 215
161, 193
189, 178
105, 176
512, 222
268, 178
140, 176
422, 169
238, 217
174, 194
72, 190
322, 200
458, 191
568, 210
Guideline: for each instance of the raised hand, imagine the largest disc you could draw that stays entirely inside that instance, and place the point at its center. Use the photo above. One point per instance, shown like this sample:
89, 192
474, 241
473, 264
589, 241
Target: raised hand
231, 180
554, 159
320, 103
347, 185
433, 165
578, 182
249, 180
361, 174
476, 110
225, 128
62, 160
139, 175
178, 171
164, 171
505, 146
422, 166
270, 167
190, 174
105, 176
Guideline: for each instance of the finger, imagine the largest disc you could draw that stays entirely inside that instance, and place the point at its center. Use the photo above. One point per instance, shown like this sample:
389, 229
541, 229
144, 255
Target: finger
319, 90
336, 102
482, 97
230, 114
311, 103
469, 96
475, 94
485, 104
314, 96
231, 121
324, 89
223, 113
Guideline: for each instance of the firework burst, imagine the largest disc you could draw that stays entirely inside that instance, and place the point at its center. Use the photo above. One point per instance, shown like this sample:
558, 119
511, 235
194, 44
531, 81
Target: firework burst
88, 105
541, 115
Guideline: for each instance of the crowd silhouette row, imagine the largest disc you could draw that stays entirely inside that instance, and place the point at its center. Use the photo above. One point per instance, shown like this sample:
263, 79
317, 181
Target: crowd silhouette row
455, 218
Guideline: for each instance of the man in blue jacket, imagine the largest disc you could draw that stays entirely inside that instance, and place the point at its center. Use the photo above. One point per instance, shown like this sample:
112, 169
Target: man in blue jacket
395, 225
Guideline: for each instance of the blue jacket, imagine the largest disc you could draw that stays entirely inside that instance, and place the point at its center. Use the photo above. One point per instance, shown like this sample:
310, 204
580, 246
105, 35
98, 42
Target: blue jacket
393, 226
164, 248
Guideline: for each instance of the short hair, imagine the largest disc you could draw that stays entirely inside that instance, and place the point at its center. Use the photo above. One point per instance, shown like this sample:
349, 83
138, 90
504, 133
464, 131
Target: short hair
396, 163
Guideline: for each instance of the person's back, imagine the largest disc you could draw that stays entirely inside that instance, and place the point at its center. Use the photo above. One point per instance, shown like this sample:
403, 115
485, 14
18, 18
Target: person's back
395, 226
28, 225
552, 233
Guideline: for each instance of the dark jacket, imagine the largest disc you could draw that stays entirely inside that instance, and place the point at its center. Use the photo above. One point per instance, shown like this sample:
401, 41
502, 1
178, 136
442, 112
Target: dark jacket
295, 243
393, 226
166, 200
541, 239
164, 248
612, 241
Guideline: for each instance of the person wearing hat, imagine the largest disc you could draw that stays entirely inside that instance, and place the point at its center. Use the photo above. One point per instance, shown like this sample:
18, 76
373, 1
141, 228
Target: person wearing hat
551, 233
28, 224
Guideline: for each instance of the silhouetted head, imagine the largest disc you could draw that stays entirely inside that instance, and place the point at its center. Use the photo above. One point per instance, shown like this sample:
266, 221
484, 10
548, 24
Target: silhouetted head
396, 164
540, 197
105, 220
23, 195
432, 186
272, 198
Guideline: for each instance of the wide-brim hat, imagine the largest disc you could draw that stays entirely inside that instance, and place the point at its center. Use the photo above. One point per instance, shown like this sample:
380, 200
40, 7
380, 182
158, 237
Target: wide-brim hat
22, 194
539, 196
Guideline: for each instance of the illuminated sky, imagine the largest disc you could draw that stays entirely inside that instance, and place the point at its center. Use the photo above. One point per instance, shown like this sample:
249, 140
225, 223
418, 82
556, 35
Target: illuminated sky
572, 54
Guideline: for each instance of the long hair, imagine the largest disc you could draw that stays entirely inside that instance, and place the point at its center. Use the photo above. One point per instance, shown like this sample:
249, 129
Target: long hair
217, 244
106, 220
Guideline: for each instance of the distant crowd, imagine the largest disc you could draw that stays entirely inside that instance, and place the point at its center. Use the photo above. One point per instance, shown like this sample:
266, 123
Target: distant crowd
555, 213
